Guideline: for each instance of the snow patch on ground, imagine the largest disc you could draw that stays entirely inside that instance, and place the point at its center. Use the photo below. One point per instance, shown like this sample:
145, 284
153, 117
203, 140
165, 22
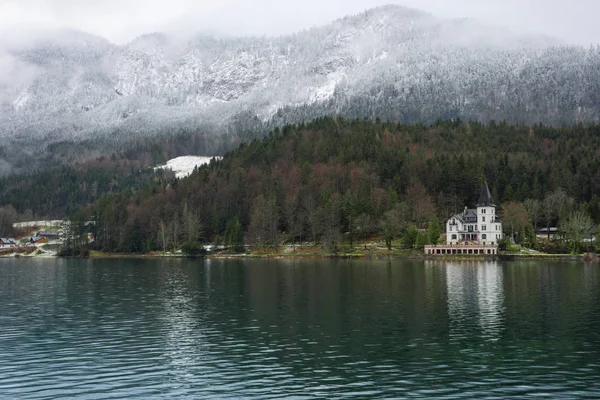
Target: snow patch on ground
184, 166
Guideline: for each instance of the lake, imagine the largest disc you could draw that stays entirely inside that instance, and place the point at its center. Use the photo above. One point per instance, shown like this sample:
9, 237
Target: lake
257, 329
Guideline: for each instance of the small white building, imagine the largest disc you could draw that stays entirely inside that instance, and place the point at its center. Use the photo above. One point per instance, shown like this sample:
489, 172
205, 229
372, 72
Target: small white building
8, 243
479, 226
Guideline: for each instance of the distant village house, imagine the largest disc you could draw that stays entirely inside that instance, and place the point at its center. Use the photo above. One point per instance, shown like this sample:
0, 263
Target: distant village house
35, 239
6, 243
49, 235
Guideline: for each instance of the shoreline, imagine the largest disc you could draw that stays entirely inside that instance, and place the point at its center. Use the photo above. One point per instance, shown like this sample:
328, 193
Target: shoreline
396, 256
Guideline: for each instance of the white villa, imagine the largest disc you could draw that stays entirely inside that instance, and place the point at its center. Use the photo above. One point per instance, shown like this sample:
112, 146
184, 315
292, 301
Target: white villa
477, 226
474, 231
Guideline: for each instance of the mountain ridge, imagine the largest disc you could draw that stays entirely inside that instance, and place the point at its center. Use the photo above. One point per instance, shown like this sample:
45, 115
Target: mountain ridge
390, 62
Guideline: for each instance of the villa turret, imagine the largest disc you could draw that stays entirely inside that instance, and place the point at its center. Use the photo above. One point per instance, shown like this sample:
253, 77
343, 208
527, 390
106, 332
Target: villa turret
485, 198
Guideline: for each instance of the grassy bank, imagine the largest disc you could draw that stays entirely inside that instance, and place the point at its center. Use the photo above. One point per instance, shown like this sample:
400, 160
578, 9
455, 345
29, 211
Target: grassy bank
371, 251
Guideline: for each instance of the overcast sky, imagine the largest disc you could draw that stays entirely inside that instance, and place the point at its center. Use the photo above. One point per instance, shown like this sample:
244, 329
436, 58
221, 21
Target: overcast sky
573, 21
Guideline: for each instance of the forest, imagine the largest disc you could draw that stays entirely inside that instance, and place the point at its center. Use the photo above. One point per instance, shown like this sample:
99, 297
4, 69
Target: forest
75, 174
335, 181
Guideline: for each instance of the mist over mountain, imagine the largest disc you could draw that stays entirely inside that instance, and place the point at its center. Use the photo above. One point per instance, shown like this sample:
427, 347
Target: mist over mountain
390, 62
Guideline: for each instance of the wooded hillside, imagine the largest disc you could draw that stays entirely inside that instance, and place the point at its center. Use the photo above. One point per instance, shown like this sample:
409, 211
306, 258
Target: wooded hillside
335, 178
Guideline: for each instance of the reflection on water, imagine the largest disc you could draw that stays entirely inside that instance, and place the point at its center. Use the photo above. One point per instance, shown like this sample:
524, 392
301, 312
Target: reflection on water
475, 293
491, 299
182, 328
301, 329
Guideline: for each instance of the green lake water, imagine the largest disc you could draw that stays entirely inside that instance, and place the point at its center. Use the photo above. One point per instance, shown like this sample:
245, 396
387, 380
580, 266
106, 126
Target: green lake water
257, 329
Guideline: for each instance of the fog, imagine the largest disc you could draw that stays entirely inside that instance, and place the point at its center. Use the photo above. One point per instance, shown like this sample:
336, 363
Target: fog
121, 20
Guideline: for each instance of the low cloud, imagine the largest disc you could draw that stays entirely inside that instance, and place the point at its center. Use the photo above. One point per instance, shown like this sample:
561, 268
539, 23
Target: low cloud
15, 73
121, 20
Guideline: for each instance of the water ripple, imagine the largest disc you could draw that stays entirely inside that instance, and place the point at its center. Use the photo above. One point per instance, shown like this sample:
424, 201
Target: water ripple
95, 330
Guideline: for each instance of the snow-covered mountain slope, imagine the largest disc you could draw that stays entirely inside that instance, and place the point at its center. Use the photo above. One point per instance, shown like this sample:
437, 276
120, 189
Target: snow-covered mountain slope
185, 165
389, 62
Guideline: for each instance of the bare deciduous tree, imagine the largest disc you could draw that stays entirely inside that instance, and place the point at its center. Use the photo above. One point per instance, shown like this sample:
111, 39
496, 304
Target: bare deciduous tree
576, 227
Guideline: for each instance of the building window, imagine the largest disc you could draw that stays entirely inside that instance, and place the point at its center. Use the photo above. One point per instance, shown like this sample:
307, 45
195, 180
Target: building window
484, 237
483, 228
482, 219
453, 237
483, 211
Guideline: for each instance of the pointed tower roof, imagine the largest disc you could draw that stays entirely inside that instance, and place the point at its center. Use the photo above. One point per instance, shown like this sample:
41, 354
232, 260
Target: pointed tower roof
485, 198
